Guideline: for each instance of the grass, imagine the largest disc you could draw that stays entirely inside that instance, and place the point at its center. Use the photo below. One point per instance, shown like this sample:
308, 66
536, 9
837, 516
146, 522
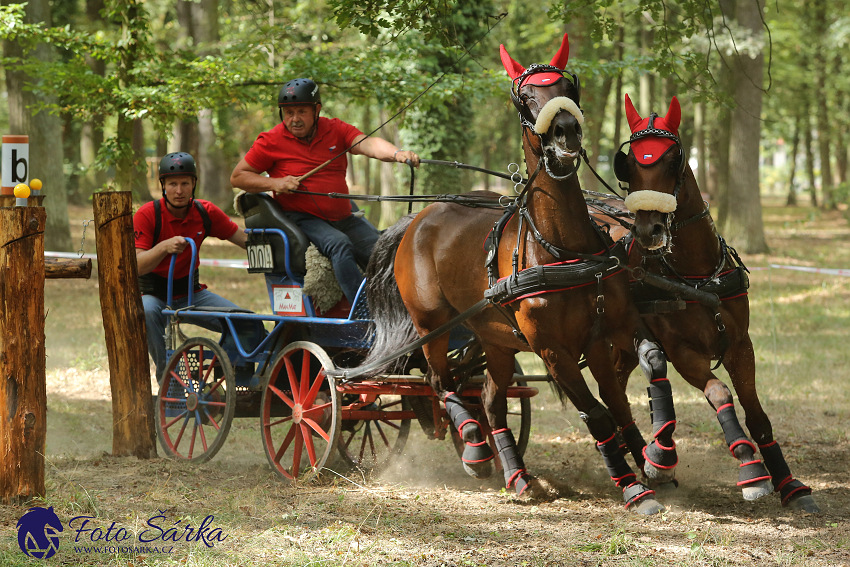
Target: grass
425, 511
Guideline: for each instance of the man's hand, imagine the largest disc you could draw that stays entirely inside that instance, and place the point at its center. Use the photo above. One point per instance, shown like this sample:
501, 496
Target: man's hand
285, 184
173, 245
405, 155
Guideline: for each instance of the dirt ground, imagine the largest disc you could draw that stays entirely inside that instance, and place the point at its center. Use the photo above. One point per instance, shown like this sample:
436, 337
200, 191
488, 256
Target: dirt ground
425, 511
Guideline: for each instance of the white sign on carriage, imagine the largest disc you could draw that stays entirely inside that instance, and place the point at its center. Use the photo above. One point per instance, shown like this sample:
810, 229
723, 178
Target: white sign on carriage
288, 300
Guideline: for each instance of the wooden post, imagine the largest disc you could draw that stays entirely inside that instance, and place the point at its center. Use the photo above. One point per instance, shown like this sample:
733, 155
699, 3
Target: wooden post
23, 389
124, 322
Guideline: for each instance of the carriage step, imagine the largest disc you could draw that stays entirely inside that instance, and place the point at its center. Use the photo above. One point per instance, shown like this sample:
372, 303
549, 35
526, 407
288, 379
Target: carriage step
408, 379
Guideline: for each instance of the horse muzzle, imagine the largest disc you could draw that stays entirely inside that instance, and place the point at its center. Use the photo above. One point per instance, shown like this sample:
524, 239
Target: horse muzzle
651, 230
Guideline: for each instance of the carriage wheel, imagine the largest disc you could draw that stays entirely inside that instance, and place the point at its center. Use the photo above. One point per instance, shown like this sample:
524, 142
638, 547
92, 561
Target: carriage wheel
519, 420
300, 415
370, 445
196, 401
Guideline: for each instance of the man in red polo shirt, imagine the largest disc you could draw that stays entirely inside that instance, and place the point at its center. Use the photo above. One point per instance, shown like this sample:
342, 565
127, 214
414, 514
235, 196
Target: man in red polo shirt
301, 142
161, 229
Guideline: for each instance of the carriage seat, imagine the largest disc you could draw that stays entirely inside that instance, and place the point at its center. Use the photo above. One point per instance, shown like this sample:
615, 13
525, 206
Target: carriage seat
260, 210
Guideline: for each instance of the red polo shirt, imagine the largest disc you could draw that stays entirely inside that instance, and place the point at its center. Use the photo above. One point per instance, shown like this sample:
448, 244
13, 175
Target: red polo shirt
190, 227
280, 154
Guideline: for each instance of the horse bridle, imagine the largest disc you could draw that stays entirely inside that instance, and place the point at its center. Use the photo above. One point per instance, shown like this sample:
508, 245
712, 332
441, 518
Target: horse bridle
527, 121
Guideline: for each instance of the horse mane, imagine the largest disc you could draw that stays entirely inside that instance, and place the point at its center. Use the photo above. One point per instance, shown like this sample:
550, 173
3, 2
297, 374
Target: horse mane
393, 326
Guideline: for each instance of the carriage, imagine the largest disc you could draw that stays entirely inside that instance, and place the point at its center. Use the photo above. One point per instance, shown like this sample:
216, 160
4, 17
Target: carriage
307, 416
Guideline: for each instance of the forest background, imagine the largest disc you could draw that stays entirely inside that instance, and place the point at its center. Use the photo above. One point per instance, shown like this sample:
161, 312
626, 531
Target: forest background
106, 87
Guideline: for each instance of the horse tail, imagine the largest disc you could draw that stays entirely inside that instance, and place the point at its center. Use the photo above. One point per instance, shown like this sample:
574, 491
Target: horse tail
393, 326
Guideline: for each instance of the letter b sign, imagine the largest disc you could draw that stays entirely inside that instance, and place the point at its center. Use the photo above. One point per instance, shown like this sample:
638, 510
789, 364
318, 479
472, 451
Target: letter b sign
14, 164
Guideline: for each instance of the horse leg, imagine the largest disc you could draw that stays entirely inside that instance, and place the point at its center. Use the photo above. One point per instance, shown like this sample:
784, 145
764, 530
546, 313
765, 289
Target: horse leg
740, 363
477, 454
612, 390
500, 371
563, 368
660, 454
694, 367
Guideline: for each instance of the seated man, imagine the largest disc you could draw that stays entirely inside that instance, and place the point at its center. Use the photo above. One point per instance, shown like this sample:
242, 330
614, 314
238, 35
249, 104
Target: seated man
299, 144
161, 229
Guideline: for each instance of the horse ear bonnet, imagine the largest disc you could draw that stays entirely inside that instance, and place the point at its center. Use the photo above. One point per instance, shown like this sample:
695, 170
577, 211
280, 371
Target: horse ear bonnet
621, 166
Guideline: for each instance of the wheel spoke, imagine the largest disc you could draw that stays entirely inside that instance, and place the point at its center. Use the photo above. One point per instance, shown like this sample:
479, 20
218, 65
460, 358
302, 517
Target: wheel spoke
308, 442
315, 409
212, 420
296, 452
281, 420
285, 445
282, 396
216, 404
350, 439
217, 384
177, 377
317, 428
203, 437
175, 400
367, 432
314, 389
192, 442
305, 377
381, 433
173, 421
290, 372
391, 424
182, 429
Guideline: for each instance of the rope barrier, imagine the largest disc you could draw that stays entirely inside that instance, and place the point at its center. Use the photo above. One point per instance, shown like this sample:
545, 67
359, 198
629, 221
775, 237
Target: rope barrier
237, 263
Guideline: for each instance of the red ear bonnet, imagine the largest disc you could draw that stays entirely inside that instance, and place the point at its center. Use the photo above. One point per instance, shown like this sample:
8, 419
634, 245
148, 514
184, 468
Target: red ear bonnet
650, 149
514, 69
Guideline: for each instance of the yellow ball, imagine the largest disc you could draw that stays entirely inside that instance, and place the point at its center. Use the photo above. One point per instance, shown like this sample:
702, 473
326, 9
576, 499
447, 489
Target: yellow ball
35, 184
22, 191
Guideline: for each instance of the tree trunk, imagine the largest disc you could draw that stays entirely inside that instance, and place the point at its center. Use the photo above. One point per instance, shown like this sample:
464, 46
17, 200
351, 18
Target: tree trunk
818, 9
133, 430
840, 121
92, 134
743, 226
699, 137
619, 99
810, 157
44, 131
390, 212
791, 201
23, 387
140, 180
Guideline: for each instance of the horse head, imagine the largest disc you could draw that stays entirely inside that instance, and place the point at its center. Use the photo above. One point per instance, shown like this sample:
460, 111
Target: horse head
547, 98
653, 172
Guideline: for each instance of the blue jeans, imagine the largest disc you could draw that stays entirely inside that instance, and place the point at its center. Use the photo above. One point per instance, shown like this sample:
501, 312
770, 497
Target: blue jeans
347, 243
250, 332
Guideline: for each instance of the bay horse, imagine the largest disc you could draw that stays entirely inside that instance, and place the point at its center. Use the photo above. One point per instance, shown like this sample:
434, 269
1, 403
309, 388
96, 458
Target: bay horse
662, 189
555, 285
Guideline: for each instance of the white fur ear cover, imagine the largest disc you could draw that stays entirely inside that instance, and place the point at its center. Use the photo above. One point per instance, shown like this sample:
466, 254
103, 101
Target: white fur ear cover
553, 107
651, 201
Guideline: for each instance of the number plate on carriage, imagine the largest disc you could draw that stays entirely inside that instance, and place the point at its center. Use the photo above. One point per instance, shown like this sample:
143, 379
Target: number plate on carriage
260, 258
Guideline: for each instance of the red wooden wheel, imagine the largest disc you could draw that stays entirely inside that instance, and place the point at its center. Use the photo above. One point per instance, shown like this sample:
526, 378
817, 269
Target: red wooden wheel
196, 401
300, 417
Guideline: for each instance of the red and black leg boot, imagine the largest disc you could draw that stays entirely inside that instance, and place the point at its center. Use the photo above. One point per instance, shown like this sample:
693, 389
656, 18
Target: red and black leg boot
753, 477
638, 497
660, 454
477, 454
794, 493
515, 473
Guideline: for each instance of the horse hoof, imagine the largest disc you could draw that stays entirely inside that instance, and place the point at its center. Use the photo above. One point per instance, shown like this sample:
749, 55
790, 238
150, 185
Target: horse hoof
647, 506
480, 471
544, 491
656, 475
756, 490
804, 503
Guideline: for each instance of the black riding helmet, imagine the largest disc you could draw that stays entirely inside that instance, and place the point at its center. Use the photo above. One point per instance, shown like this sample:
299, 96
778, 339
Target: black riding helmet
300, 91
178, 163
